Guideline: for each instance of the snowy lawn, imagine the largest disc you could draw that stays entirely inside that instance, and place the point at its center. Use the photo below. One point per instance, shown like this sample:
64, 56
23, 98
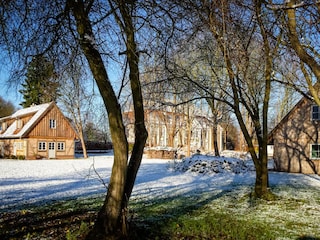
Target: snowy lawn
222, 185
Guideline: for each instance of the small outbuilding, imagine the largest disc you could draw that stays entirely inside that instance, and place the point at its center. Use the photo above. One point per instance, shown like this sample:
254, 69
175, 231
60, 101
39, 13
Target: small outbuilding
296, 139
36, 132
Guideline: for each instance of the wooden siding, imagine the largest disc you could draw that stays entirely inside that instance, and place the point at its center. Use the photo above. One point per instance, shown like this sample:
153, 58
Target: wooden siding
34, 153
63, 128
292, 141
5, 125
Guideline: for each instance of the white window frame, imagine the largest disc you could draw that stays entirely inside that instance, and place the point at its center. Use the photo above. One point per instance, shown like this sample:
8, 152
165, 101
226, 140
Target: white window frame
61, 146
3, 126
317, 152
52, 123
19, 145
51, 145
42, 146
313, 112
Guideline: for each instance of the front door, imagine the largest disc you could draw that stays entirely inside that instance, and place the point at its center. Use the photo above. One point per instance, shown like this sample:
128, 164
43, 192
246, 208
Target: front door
52, 150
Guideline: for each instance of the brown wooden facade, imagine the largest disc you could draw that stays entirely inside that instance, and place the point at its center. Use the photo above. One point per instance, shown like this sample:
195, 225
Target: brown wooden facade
296, 139
40, 131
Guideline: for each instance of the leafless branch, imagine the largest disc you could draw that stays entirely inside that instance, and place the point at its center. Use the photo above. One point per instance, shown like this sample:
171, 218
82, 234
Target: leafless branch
99, 177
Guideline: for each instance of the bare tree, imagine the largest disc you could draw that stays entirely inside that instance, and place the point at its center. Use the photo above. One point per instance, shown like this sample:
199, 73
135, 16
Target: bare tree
98, 30
240, 38
123, 175
75, 99
300, 22
307, 52
6, 108
204, 76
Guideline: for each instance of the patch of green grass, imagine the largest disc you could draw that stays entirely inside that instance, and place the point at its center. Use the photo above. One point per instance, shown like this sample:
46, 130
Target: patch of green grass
186, 218
225, 216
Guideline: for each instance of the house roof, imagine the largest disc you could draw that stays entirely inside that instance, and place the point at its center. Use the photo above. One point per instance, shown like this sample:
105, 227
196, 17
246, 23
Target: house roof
285, 118
37, 112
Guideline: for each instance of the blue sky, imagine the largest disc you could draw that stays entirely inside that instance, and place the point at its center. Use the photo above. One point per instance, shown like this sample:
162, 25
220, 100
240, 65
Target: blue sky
9, 93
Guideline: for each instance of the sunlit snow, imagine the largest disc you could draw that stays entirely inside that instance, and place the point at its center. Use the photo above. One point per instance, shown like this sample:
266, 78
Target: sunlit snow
25, 182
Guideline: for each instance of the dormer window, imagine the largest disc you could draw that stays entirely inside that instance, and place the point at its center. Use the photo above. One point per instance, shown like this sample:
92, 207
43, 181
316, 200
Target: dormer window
19, 123
3, 126
315, 112
52, 123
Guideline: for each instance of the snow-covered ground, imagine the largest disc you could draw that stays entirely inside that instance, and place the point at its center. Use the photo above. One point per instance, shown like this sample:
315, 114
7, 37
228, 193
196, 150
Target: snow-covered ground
29, 182
224, 183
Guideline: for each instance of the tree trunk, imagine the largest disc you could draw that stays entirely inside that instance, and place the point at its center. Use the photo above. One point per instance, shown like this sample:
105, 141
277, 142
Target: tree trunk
141, 133
262, 178
214, 111
261, 189
189, 132
107, 224
83, 144
261, 170
215, 140
80, 132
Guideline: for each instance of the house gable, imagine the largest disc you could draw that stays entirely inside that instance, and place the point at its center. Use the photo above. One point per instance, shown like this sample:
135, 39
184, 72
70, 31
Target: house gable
52, 125
293, 139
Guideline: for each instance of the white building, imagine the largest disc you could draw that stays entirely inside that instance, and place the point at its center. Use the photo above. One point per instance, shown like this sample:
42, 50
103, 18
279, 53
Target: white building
177, 130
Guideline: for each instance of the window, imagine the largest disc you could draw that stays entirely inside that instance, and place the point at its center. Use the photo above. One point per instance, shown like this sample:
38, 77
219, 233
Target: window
3, 126
42, 146
53, 123
19, 145
315, 151
60, 146
51, 145
315, 112
19, 123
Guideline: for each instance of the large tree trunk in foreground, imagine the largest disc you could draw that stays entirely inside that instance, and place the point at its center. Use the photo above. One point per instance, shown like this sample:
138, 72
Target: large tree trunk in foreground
261, 187
107, 224
141, 133
111, 220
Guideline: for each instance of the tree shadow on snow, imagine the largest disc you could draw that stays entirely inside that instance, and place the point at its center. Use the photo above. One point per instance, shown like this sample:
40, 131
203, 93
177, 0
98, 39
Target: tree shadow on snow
161, 205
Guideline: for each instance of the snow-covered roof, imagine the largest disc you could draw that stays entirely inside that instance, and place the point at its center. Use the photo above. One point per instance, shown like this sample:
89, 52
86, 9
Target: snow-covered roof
36, 111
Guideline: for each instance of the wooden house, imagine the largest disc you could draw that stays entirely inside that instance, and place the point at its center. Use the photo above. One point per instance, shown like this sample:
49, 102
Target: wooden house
296, 139
39, 131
